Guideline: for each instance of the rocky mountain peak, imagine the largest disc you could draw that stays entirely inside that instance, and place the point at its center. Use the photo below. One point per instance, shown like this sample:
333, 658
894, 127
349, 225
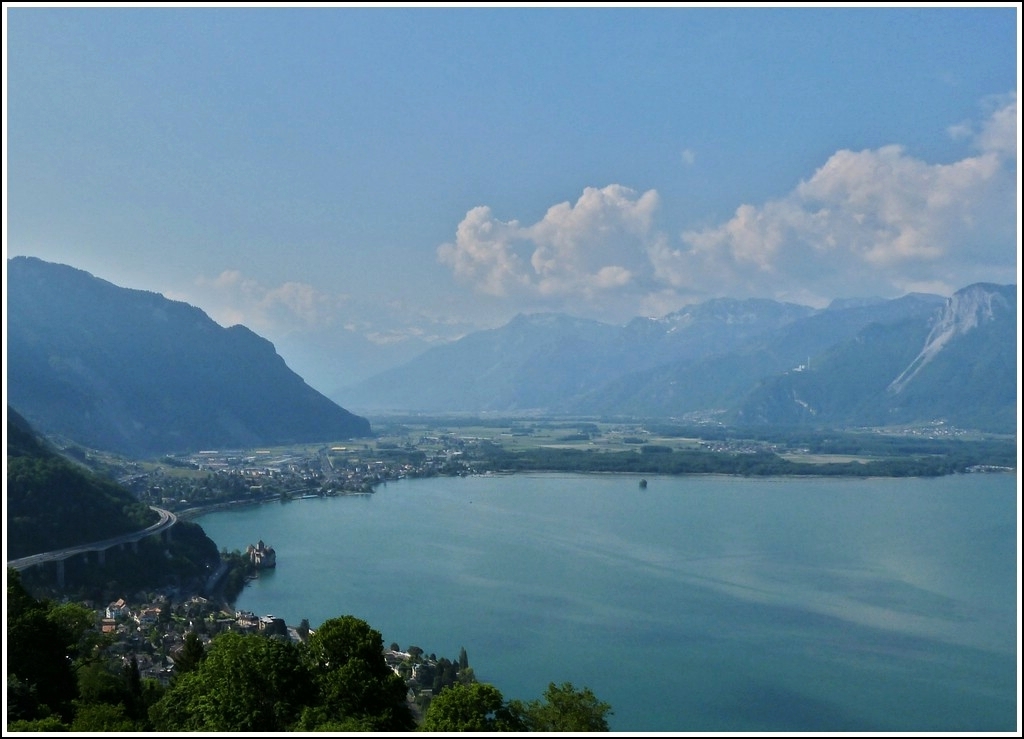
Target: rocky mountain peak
965, 310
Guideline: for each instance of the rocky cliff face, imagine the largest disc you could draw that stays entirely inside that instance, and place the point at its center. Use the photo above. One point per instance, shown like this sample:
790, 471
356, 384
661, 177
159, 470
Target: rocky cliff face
956, 366
966, 311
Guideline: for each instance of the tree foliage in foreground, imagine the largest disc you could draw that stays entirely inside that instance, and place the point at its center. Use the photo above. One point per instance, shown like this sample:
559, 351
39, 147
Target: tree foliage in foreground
337, 681
245, 683
44, 644
470, 707
564, 708
346, 658
480, 707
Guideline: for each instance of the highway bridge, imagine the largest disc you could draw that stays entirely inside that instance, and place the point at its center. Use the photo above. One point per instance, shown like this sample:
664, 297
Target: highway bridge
167, 520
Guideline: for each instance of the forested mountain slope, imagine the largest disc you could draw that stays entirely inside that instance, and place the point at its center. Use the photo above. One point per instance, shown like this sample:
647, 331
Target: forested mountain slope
52, 503
133, 372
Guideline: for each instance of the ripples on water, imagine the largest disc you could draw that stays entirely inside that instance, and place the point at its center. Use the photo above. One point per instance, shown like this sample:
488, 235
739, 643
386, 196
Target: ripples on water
696, 604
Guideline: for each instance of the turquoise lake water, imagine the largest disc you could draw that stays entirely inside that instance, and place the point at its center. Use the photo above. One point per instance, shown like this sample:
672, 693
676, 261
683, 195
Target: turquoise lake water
698, 604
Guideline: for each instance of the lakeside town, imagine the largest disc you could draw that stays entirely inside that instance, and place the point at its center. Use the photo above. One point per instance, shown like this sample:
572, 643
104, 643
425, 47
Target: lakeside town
189, 484
152, 632
153, 636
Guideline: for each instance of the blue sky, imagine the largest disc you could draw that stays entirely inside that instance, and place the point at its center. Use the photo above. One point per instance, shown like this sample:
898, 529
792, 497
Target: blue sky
357, 184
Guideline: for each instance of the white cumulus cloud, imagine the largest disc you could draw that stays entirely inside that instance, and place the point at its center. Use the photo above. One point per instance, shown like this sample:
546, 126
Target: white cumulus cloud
872, 222
583, 250
877, 218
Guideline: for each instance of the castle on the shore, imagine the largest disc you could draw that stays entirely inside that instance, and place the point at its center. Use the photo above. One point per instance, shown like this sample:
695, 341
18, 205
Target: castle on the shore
262, 556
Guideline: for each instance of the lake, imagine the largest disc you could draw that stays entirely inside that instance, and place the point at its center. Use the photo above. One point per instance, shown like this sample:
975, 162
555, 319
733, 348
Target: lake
696, 604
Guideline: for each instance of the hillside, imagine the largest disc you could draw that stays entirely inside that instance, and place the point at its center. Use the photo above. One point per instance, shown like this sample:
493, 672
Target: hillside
53, 503
135, 373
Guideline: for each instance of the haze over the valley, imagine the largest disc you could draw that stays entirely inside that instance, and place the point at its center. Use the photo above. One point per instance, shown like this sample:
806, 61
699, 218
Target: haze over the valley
360, 184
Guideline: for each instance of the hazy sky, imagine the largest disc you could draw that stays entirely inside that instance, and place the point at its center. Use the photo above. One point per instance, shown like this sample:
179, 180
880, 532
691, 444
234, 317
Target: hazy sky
353, 183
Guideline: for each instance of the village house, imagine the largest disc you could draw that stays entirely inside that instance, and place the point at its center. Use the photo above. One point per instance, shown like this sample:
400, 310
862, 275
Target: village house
147, 616
117, 609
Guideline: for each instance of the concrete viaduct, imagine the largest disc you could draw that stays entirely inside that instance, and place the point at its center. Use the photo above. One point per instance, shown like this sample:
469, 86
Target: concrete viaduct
161, 527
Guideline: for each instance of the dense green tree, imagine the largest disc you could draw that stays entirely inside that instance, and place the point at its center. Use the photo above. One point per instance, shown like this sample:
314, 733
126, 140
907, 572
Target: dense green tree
245, 683
472, 707
42, 646
321, 719
352, 692
346, 657
563, 708
191, 654
152, 692
98, 684
50, 724
444, 675
172, 711
343, 639
102, 717
136, 705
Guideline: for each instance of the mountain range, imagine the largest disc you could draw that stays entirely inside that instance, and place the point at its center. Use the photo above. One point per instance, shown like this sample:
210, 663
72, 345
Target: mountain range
916, 359
133, 372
